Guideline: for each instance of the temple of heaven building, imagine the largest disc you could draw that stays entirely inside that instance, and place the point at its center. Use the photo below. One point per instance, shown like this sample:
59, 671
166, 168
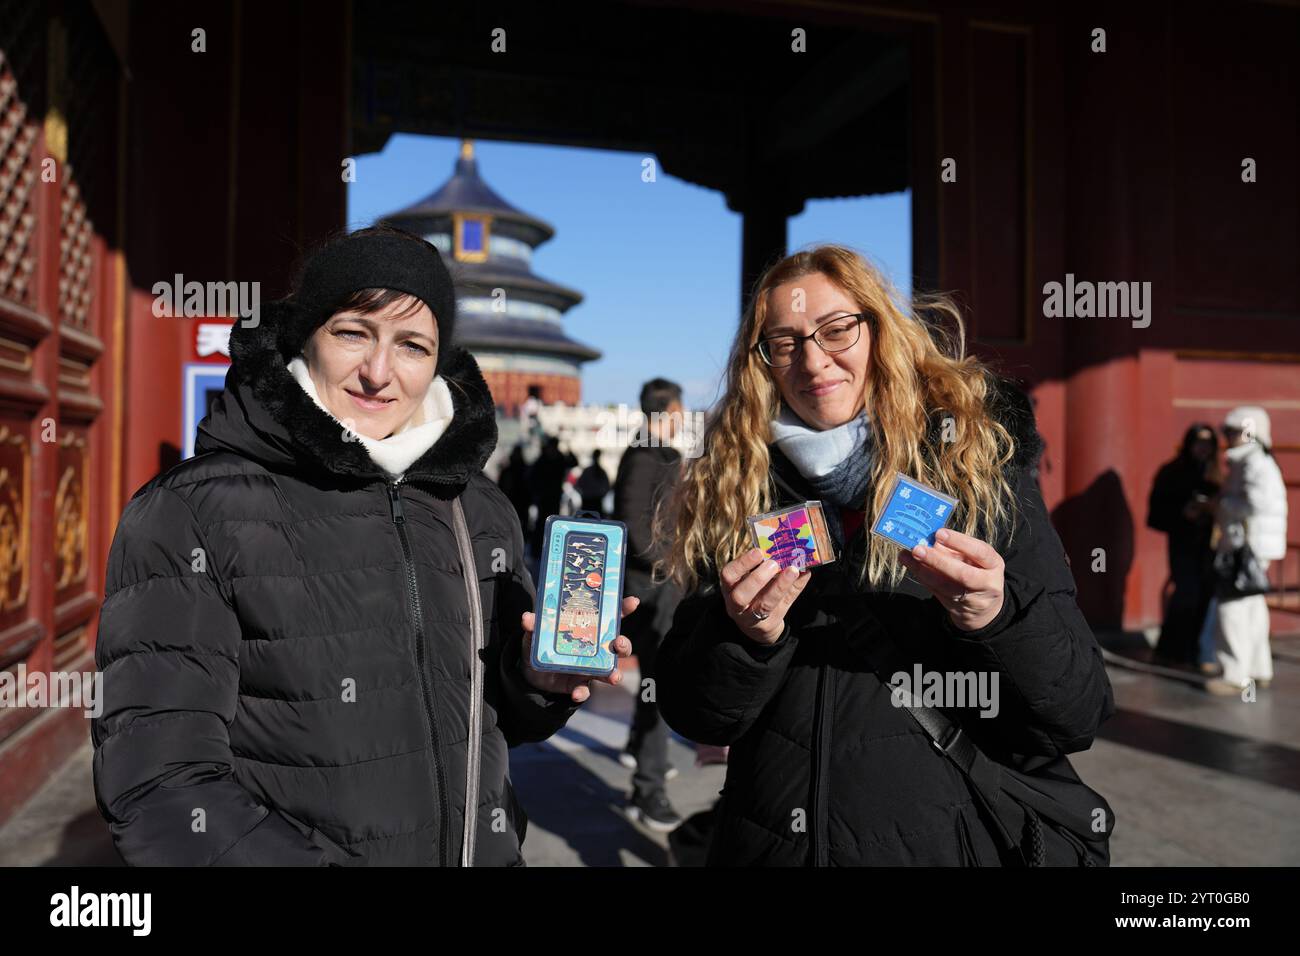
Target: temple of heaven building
508, 317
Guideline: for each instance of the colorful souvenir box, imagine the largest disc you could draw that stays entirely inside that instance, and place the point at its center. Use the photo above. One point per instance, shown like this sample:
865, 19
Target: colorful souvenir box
580, 596
794, 536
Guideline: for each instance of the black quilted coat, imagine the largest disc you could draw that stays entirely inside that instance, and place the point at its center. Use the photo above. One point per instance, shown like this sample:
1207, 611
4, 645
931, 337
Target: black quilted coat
288, 635
824, 770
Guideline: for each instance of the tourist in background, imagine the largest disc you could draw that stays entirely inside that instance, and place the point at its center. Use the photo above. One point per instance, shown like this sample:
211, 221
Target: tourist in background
514, 482
593, 485
1251, 513
547, 477
647, 475
1179, 506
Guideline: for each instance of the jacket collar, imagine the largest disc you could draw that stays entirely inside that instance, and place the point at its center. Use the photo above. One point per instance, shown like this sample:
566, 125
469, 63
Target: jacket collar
263, 414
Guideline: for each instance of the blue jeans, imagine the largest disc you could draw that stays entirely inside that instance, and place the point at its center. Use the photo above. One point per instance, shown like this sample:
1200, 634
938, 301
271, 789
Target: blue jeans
1205, 653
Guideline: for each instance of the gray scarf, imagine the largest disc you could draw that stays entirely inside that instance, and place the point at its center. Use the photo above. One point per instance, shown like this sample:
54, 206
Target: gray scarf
836, 462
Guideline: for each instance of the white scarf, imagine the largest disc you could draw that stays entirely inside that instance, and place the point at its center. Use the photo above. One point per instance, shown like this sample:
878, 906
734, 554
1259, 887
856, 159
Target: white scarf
417, 434
836, 461
817, 453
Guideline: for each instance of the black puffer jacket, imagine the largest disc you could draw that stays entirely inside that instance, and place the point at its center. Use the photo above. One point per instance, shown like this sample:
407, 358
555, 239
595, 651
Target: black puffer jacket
286, 641
824, 769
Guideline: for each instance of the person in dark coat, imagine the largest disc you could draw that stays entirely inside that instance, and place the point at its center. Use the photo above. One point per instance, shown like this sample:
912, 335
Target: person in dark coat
514, 482
298, 669
1180, 506
832, 389
647, 474
546, 477
593, 485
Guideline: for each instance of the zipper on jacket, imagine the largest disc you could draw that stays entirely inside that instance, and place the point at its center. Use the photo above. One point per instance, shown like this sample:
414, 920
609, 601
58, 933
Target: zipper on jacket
474, 747
820, 751
820, 760
431, 717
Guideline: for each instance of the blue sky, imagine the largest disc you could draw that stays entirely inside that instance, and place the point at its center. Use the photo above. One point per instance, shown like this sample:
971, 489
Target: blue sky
658, 262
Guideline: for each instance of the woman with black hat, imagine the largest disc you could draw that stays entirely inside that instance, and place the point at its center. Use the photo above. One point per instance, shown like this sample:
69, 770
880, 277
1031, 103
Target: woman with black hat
297, 668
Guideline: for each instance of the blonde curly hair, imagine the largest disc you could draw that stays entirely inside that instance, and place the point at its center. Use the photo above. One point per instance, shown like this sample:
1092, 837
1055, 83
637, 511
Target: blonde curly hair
918, 377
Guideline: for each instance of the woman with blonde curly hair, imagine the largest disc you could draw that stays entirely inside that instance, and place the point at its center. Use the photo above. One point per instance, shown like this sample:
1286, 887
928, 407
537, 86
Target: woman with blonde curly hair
833, 386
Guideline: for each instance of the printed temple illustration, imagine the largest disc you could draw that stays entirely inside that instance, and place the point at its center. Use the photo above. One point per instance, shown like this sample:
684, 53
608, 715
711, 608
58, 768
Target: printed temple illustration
578, 630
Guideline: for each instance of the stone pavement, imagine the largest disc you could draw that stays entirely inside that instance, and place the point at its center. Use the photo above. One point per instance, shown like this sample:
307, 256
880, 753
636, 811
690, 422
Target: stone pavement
574, 789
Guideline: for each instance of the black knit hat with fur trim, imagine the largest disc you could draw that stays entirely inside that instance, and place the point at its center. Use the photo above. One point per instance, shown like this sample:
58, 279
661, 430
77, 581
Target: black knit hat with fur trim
378, 258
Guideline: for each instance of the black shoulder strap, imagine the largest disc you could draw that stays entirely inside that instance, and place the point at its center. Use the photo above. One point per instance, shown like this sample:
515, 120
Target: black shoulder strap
953, 742
868, 638
1065, 800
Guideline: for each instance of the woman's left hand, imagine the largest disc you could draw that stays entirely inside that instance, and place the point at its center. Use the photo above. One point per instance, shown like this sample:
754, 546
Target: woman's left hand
964, 574
575, 685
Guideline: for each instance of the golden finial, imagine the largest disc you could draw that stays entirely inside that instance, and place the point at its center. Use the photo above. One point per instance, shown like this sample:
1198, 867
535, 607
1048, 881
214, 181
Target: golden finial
466, 149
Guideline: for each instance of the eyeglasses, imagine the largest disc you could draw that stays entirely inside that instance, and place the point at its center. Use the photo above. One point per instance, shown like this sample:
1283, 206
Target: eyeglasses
834, 336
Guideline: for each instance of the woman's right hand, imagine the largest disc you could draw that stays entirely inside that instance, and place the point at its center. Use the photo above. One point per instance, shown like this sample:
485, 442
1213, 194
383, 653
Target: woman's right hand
754, 585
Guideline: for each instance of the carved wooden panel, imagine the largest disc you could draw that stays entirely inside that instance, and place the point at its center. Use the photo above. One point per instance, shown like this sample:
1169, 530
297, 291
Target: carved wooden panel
15, 522
18, 130
76, 257
71, 516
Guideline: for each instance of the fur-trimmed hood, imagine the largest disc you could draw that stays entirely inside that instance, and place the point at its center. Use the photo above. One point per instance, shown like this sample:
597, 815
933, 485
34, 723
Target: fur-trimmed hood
1009, 404
264, 414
